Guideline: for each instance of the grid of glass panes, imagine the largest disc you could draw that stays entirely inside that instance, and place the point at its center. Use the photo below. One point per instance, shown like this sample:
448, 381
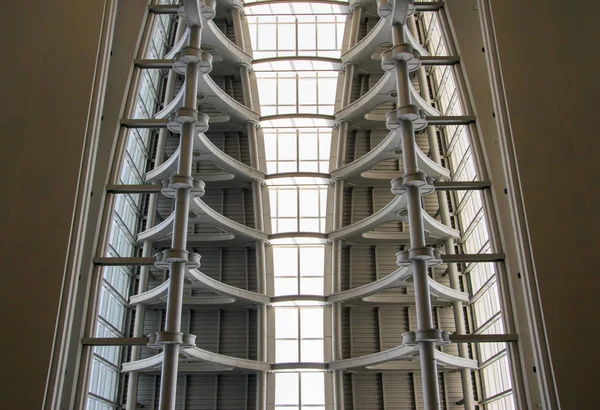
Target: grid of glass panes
298, 269
116, 282
287, 29
485, 304
299, 336
300, 390
296, 35
298, 208
301, 92
297, 149
434, 40
447, 97
459, 152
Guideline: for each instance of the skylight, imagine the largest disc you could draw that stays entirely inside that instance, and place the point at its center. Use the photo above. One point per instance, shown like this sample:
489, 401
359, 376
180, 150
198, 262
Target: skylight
299, 45
281, 8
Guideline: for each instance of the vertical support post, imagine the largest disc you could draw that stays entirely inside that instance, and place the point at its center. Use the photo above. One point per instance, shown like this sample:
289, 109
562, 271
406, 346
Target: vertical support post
459, 317
236, 16
356, 11
257, 200
348, 81
140, 314
336, 309
246, 90
171, 338
261, 272
261, 311
261, 321
417, 232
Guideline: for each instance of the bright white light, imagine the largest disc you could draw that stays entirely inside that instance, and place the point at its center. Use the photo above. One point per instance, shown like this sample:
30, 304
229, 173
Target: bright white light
286, 322
253, 7
312, 388
287, 389
296, 65
302, 93
311, 323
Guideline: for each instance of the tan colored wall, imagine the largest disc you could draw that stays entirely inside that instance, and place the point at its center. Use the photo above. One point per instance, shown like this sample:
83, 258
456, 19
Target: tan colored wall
549, 65
49, 56
549, 71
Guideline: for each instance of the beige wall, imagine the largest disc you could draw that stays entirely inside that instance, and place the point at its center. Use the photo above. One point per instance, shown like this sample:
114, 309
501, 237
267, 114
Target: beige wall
549, 64
49, 56
549, 71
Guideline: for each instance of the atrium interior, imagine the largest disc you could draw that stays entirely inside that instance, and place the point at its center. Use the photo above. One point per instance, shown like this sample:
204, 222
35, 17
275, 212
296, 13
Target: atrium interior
299, 204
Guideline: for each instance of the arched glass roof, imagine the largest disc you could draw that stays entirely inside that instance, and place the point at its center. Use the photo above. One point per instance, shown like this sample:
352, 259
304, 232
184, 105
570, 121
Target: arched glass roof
296, 8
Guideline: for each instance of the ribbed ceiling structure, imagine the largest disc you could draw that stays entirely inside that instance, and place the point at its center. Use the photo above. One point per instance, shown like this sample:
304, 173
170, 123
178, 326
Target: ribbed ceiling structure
299, 218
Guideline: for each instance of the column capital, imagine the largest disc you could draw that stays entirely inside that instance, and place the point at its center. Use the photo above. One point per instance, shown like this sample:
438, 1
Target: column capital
247, 66
336, 180
255, 124
356, 5
238, 6
338, 123
344, 66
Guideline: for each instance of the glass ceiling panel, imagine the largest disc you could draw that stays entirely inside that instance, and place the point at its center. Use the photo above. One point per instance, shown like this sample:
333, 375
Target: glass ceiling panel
296, 35
299, 44
297, 64
307, 92
253, 8
297, 150
297, 122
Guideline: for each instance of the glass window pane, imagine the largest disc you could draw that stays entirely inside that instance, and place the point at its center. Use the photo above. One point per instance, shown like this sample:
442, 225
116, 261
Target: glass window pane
309, 203
288, 205
287, 167
287, 388
311, 323
309, 166
287, 147
286, 286
313, 388
312, 261
267, 37
287, 91
267, 91
310, 225
311, 286
307, 40
312, 351
327, 90
324, 145
308, 91
308, 147
270, 146
286, 35
286, 323
287, 225
286, 351
285, 261
326, 37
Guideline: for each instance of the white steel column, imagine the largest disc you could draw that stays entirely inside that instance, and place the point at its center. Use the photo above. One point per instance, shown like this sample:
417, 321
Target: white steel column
459, 317
413, 181
186, 121
147, 250
336, 309
237, 12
